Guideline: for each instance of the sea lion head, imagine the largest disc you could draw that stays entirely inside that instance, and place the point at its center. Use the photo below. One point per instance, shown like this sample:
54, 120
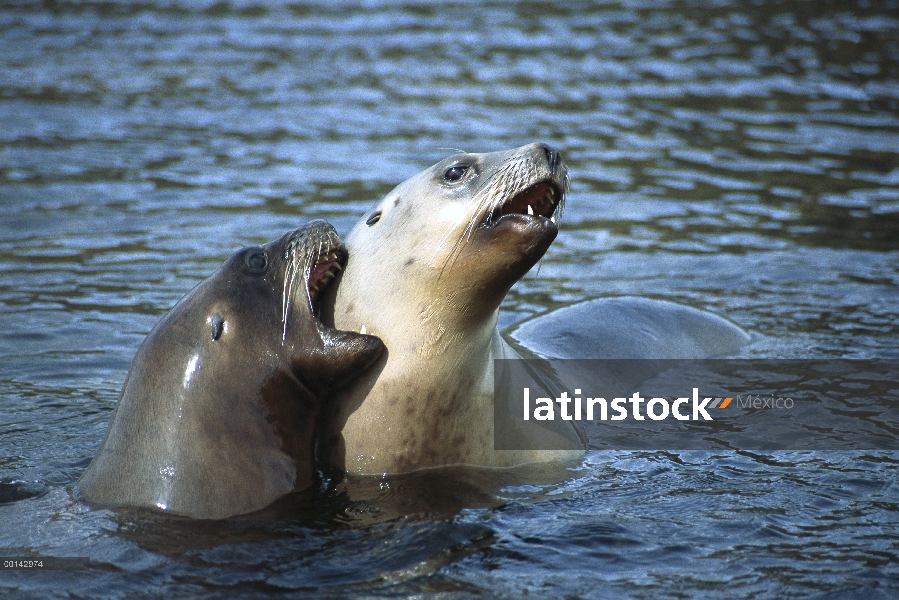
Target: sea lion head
453, 239
267, 298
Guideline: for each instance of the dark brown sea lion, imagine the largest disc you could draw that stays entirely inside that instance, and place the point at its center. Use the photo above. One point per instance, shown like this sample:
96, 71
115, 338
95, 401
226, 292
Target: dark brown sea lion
218, 413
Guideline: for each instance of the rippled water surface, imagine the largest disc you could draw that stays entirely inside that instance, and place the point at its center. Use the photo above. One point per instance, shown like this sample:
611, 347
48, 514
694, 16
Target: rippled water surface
741, 157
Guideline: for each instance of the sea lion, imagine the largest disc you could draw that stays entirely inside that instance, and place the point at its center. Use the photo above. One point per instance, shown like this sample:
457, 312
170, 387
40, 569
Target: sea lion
431, 264
657, 335
217, 414
630, 327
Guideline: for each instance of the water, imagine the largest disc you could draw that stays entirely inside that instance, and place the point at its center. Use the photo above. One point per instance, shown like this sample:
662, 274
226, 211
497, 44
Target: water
734, 156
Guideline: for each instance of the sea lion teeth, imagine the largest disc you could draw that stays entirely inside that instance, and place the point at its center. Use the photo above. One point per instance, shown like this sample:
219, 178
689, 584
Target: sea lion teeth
337, 266
530, 210
362, 330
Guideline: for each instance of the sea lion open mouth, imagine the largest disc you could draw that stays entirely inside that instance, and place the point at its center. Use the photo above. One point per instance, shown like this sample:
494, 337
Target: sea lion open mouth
512, 200
538, 200
328, 264
313, 258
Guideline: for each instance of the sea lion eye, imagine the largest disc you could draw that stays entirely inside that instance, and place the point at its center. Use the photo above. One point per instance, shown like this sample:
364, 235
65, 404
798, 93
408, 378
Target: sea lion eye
455, 173
374, 218
256, 260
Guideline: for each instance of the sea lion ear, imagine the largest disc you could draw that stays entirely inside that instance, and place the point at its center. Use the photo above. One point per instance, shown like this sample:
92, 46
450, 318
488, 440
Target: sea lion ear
217, 324
347, 355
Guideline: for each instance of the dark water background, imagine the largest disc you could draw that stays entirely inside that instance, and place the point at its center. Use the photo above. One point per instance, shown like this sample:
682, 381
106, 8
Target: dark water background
741, 157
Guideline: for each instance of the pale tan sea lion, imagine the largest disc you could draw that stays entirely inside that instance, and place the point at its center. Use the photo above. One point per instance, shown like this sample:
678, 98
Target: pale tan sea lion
218, 413
430, 265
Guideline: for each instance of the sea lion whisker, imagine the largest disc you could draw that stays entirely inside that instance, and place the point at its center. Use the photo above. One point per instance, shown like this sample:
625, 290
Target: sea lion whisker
480, 200
466, 233
486, 201
454, 253
287, 292
490, 201
456, 150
